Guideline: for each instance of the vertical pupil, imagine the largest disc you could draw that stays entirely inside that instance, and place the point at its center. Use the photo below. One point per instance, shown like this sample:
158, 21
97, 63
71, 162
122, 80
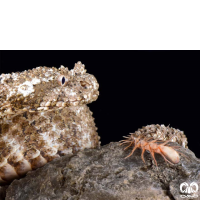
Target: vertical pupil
63, 80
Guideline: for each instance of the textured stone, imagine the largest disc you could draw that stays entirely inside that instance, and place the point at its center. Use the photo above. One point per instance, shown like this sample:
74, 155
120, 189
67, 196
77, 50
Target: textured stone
103, 173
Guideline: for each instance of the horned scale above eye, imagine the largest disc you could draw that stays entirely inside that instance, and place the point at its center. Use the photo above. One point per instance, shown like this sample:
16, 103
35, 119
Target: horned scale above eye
43, 115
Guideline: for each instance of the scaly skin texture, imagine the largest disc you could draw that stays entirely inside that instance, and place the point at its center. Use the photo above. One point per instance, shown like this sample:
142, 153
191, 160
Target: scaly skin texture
44, 88
43, 116
163, 132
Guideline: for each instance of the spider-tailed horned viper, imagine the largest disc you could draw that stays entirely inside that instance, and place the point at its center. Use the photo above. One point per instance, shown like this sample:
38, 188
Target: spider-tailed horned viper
43, 115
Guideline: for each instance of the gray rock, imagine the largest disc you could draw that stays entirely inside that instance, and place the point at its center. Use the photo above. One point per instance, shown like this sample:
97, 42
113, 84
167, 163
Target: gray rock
104, 174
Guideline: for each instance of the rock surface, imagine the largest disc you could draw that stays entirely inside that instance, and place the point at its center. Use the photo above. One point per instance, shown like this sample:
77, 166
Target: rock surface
100, 174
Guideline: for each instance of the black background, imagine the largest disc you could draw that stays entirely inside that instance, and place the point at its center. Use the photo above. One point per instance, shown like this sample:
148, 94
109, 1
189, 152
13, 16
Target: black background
137, 88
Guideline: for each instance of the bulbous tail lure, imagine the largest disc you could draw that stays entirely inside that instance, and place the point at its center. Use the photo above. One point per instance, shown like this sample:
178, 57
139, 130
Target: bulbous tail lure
169, 153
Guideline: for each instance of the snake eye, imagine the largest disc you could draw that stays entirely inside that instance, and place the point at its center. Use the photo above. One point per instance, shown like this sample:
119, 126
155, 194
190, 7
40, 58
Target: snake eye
62, 80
